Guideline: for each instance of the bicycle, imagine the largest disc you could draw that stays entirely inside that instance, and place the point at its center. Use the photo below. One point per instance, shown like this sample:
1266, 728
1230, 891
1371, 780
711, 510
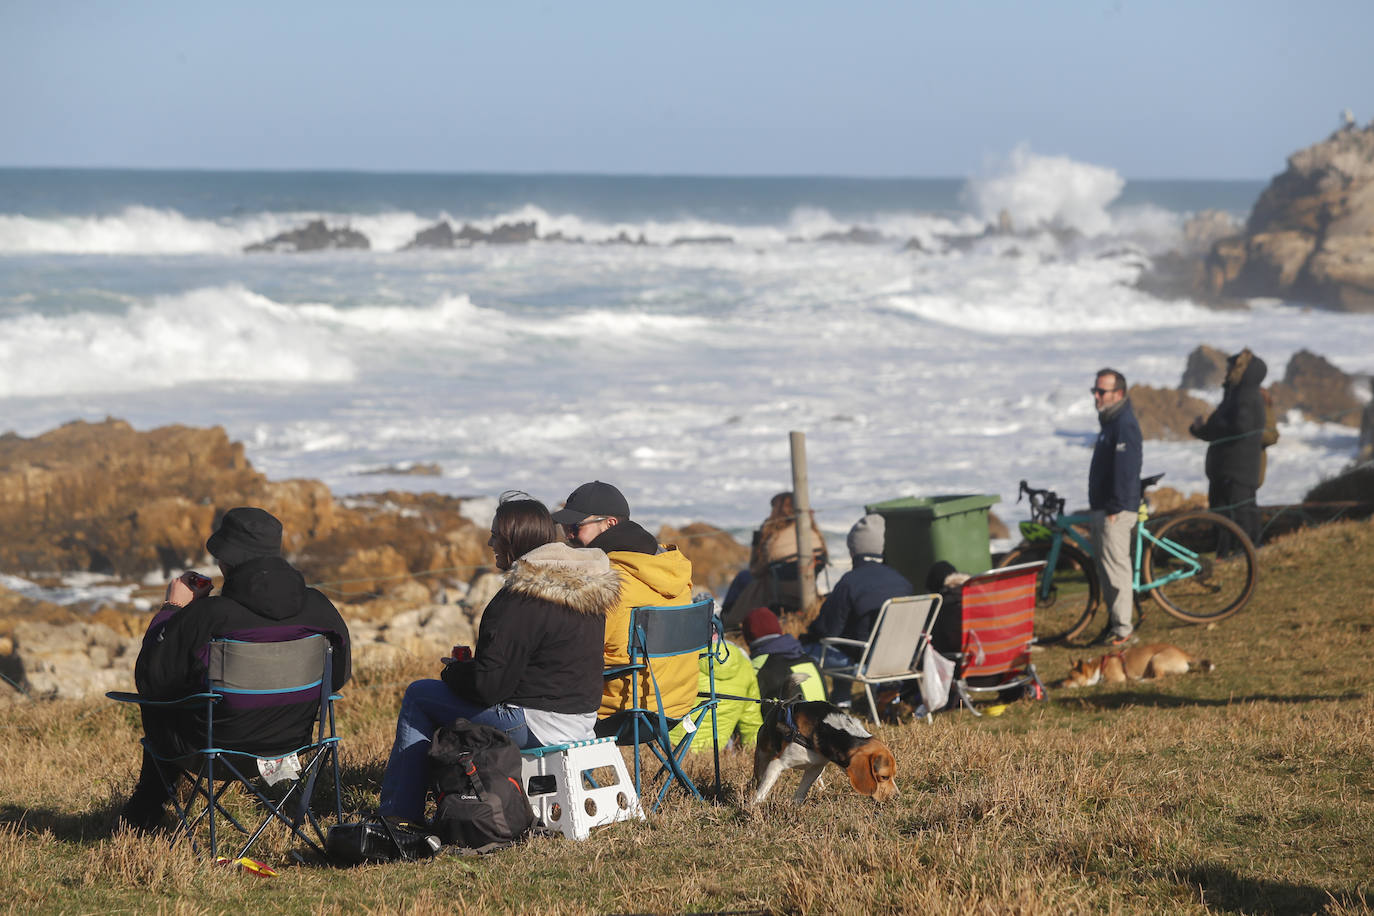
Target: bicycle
1175, 561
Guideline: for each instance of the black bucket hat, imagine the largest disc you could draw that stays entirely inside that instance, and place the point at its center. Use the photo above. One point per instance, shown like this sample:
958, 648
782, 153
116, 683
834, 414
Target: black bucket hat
245, 533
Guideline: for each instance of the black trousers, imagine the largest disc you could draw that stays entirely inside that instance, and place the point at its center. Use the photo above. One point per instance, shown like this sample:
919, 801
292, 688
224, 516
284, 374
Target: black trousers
1237, 502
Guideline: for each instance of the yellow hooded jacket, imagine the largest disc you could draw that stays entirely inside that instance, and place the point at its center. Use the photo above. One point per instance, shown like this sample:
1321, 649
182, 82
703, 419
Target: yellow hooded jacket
649, 579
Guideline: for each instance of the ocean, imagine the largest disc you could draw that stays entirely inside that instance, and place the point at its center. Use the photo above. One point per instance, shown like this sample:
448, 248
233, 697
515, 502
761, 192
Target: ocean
675, 371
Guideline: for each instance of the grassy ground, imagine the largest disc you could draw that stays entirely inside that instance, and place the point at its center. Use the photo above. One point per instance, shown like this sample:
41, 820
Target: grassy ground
1250, 789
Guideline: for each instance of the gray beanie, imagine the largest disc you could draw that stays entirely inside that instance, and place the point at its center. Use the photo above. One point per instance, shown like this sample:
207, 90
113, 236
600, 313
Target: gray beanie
866, 537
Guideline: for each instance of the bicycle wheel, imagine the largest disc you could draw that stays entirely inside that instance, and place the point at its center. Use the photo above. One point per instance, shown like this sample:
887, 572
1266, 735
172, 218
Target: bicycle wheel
1072, 600
1222, 585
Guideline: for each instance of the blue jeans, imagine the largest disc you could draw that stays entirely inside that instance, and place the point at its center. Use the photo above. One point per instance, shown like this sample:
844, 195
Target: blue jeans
427, 705
827, 656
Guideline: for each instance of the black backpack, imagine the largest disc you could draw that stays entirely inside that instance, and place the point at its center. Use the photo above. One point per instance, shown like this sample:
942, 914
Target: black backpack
475, 772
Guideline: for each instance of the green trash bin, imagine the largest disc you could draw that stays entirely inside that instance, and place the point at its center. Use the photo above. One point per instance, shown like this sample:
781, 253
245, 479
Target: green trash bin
923, 530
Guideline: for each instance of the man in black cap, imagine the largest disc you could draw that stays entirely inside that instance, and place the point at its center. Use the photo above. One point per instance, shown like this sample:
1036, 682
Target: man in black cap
263, 599
597, 515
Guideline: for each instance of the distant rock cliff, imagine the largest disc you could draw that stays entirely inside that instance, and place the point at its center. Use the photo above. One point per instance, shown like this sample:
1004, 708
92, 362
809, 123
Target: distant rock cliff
1310, 236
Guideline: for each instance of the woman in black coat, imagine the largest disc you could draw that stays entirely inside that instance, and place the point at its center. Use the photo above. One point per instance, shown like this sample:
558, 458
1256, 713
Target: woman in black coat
536, 671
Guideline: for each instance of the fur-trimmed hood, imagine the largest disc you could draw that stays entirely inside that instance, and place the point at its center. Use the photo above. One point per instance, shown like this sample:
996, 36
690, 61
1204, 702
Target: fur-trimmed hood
1245, 368
579, 578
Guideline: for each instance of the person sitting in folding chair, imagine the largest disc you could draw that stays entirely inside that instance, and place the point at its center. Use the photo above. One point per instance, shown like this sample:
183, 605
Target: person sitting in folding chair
536, 671
785, 671
597, 514
849, 609
263, 599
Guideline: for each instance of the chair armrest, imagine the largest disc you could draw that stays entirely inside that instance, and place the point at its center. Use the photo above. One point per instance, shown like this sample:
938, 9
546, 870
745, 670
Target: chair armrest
194, 699
621, 670
842, 641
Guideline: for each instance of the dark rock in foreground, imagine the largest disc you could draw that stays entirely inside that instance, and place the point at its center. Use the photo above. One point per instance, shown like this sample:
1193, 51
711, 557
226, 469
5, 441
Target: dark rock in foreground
313, 236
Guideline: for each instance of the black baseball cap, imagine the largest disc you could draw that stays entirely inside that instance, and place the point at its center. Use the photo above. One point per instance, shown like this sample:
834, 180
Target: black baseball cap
595, 498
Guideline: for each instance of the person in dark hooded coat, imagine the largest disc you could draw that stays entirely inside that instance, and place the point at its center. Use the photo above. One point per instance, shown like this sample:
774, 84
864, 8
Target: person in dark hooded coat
263, 599
1236, 433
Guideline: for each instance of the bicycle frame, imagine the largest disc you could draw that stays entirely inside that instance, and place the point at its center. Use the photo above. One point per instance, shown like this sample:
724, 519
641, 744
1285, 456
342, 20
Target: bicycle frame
1063, 527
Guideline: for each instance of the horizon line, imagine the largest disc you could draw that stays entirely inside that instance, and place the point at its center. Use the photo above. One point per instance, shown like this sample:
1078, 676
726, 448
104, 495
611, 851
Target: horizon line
486, 173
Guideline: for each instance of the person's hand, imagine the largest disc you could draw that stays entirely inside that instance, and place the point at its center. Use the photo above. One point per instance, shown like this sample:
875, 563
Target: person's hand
179, 593
186, 588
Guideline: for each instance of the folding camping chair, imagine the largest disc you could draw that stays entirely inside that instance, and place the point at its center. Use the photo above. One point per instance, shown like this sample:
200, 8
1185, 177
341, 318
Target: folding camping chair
998, 626
658, 633
894, 651
244, 677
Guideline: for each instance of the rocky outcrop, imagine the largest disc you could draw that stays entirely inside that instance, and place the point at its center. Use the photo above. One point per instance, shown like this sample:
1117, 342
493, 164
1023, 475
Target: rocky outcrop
1205, 369
1319, 389
1310, 236
313, 236
716, 556
856, 235
1165, 413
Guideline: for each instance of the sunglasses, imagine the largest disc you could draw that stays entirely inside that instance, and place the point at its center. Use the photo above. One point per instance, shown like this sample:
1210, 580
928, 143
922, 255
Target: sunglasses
1101, 390
573, 527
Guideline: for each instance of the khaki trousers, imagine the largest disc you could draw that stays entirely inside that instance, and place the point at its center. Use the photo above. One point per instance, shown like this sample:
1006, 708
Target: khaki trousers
1112, 541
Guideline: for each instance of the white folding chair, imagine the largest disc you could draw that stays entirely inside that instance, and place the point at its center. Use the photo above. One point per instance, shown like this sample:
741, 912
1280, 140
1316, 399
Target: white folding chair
894, 651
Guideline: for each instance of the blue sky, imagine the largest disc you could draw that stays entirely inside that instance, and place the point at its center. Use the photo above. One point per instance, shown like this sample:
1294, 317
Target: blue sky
1158, 89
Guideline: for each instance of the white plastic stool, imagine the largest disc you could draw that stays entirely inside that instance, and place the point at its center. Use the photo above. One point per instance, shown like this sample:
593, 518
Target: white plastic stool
557, 782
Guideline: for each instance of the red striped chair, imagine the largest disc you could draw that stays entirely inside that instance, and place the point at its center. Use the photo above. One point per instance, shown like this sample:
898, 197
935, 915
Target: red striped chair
998, 626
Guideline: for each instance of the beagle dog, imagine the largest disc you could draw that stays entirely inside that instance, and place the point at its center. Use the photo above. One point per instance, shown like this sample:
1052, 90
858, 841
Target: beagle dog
808, 735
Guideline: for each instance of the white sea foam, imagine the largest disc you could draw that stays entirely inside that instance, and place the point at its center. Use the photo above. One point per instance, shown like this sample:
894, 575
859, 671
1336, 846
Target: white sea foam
1040, 190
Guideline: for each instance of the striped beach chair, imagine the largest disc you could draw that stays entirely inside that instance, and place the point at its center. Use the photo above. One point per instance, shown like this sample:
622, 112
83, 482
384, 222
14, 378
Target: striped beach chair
998, 626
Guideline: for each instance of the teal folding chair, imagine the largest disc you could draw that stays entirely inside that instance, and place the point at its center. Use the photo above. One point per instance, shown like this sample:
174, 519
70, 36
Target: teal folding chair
657, 633
244, 680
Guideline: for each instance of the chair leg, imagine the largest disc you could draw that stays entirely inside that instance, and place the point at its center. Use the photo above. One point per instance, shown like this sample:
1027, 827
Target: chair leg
872, 703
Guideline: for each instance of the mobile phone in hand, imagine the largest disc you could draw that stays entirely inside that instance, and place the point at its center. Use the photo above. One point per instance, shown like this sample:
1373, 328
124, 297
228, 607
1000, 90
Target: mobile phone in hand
195, 580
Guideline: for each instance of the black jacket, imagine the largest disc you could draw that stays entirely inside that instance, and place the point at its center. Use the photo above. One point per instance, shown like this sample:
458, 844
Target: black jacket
849, 609
262, 600
540, 641
1236, 427
1114, 475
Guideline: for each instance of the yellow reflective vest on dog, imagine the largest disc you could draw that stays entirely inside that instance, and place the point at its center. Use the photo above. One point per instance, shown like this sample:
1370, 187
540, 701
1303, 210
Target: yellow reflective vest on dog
660, 579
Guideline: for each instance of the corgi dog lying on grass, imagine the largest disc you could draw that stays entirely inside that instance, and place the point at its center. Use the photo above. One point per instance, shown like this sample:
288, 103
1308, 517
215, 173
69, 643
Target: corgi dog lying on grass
1134, 664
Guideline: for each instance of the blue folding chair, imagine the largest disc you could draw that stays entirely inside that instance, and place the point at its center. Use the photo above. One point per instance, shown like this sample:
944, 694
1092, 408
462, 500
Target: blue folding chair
243, 679
658, 633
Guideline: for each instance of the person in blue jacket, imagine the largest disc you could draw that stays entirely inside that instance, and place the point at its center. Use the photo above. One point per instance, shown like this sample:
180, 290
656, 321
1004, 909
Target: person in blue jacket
849, 610
1114, 497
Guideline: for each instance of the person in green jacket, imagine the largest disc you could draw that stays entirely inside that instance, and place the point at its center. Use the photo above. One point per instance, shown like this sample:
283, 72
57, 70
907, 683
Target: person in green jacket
734, 676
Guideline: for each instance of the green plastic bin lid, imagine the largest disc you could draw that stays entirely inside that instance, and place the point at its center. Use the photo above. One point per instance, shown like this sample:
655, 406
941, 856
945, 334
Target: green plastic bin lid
935, 505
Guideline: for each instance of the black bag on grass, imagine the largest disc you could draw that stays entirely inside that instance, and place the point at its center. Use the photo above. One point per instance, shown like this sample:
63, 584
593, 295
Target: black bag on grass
475, 771
378, 839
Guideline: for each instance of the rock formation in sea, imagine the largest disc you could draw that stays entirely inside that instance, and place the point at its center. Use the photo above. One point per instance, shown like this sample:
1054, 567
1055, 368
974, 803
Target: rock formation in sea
1310, 236
313, 236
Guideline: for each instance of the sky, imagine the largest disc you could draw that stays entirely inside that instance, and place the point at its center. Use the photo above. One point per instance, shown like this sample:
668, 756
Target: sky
1160, 89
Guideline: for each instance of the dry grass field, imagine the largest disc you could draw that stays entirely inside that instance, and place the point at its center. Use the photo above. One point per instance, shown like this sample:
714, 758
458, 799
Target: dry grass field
1247, 790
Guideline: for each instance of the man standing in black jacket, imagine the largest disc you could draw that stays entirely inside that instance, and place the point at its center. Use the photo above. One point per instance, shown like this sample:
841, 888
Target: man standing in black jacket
1114, 497
263, 599
1236, 433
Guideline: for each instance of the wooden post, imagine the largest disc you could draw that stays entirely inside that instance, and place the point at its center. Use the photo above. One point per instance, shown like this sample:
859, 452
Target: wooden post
801, 499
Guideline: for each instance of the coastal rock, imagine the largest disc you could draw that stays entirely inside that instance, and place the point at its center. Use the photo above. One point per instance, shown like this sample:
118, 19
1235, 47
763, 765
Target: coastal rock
856, 235
703, 240
1366, 452
1319, 389
105, 498
440, 235
1166, 413
313, 236
716, 556
1205, 370
1310, 236
513, 233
